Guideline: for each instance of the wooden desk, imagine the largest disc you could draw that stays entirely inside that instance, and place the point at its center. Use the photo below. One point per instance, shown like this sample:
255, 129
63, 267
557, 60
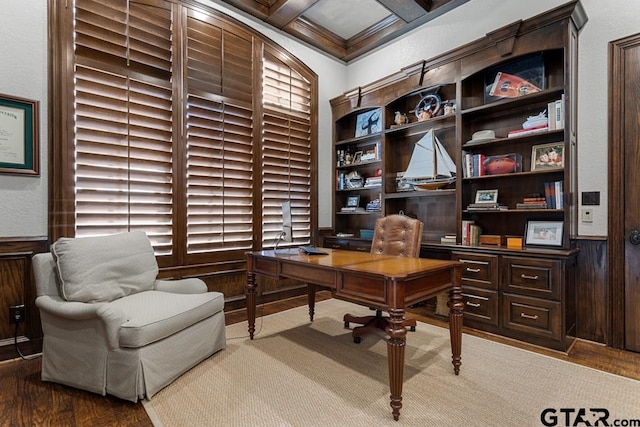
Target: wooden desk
381, 281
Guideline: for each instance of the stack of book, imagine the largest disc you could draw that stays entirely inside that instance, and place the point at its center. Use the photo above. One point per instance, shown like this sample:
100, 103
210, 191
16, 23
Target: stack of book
555, 112
449, 239
529, 131
486, 207
373, 181
532, 203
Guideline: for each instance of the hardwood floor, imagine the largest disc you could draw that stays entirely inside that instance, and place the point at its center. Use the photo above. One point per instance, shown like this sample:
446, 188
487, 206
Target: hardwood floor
25, 400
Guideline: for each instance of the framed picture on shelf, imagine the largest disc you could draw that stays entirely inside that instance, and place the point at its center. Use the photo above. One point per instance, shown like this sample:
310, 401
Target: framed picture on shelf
353, 201
369, 123
544, 234
357, 157
487, 196
547, 156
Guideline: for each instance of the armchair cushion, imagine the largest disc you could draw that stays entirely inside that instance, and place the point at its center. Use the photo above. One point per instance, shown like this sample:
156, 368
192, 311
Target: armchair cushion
152, 316
105, 268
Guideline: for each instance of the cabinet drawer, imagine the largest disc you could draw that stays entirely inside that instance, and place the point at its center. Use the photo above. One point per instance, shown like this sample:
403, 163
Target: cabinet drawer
480, 305
535, 277
478, 270
532, 316
334, 243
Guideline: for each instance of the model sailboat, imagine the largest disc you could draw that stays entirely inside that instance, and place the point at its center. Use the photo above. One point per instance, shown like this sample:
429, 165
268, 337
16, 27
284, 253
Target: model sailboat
430, 166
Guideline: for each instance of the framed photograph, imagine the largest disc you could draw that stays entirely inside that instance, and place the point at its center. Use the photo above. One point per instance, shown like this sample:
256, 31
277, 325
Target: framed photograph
369, 123
487, 196
353, 201
18, 136
547, 156
357, 157
544, 233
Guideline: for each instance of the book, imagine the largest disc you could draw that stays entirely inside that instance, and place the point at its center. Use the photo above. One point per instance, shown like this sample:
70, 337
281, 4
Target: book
523, 132
551, 115
559, 113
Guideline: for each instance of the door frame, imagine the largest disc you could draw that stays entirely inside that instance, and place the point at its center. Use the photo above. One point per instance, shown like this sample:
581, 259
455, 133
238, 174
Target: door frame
616, 189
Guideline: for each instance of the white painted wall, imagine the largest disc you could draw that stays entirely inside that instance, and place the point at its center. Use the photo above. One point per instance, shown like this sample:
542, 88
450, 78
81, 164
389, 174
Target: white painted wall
23, 73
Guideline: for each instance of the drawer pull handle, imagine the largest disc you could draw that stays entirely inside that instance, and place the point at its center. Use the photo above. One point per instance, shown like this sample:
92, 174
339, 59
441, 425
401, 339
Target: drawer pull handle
472, 304
528, 316
524, 276
473, 270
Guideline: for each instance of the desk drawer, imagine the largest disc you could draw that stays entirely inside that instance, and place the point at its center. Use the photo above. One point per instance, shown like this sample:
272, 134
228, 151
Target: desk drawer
480, 305
532, 316
478, 270
534, 277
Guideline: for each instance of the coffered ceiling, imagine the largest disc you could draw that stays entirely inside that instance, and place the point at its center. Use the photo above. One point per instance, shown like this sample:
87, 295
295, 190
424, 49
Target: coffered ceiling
345, 29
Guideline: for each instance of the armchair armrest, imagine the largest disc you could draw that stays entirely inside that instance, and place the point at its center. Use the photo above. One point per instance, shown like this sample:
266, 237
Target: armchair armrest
112, 318
69, 310
181, 286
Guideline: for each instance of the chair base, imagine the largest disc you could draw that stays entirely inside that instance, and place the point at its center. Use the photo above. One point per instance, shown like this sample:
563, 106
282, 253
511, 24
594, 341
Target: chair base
372, 323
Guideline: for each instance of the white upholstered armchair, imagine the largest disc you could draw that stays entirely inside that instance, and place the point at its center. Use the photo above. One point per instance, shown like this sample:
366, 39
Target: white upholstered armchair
111, 327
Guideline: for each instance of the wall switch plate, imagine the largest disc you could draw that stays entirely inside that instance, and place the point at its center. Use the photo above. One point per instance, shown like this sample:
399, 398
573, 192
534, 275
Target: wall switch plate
587, 215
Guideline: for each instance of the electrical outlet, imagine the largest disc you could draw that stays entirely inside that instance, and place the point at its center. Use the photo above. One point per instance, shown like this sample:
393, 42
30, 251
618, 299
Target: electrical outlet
16, 314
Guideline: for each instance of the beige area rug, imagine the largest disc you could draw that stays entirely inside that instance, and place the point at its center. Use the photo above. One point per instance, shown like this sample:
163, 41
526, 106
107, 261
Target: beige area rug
297, 373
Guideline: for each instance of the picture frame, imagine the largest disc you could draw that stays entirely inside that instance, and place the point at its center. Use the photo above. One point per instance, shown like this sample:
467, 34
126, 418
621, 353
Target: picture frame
19, 140
544, 233
487, 196
353, 201
368, 123
547, 156
357, 157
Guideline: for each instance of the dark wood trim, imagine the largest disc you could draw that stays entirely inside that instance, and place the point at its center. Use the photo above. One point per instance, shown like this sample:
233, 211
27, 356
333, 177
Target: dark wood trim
616, 189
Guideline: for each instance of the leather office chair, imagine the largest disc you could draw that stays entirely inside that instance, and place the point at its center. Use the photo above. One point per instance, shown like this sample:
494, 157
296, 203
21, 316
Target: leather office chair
393, 235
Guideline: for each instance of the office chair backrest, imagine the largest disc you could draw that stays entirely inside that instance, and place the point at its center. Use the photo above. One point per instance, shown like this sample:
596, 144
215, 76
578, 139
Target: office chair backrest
397, 235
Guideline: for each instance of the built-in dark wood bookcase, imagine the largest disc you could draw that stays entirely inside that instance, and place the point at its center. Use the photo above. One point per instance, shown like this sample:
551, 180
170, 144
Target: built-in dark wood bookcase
529, 292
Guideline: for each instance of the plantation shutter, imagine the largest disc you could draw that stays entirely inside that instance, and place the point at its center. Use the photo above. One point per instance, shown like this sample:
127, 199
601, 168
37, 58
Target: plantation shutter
219, 138
286, 150
123, 119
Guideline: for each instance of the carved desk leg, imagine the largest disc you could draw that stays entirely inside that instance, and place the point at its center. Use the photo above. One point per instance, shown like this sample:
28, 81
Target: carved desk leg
456, 305
311, 300
251, 303
395, 353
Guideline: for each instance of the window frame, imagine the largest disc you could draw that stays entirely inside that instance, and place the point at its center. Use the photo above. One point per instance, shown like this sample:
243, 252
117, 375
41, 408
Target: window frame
61, 138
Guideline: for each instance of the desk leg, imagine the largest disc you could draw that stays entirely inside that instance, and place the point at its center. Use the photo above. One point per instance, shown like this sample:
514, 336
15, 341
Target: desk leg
395, 353
455, 305
311, 300
251, 303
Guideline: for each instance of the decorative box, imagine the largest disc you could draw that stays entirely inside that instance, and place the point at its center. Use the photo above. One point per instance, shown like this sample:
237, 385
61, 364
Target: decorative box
506, 163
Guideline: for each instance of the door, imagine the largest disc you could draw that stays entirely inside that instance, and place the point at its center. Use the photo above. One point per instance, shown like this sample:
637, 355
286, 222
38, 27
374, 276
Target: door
624, 190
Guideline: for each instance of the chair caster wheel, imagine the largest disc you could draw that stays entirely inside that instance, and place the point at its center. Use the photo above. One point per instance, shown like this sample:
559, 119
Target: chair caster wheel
346, 325
357, 340
412, 328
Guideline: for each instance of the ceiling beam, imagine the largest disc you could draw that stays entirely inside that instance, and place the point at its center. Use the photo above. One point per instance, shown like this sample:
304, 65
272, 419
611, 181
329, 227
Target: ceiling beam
282, 12
407, 10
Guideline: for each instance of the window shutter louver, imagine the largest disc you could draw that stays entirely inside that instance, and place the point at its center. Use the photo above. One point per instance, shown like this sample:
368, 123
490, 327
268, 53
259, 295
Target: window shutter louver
219, 139
123, 120
166, 120
286, 150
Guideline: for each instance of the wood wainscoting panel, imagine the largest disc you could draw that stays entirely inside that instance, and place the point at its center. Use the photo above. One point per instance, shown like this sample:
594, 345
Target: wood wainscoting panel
592, 291
17, 287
